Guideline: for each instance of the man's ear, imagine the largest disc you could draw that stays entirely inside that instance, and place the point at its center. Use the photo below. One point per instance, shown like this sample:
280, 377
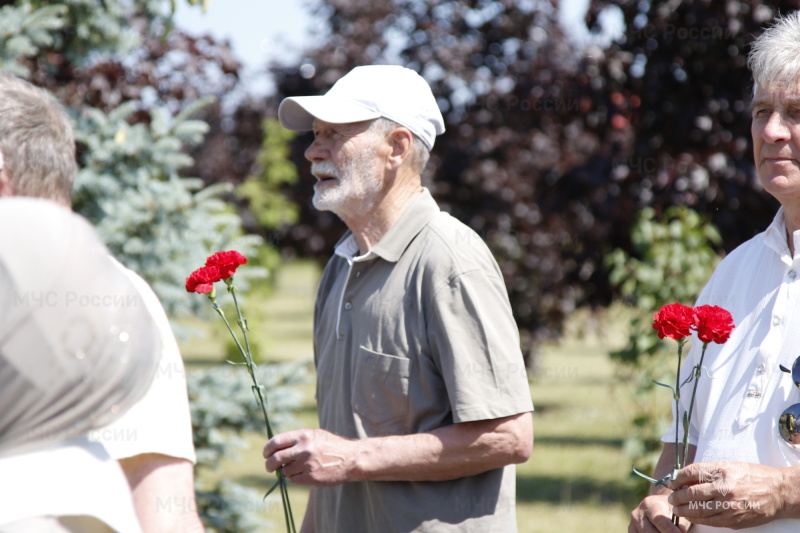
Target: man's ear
401, 143
6, 189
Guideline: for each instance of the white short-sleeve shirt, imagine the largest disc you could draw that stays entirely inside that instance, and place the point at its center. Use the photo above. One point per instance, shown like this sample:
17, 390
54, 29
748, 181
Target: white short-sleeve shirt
742, 391
161, 421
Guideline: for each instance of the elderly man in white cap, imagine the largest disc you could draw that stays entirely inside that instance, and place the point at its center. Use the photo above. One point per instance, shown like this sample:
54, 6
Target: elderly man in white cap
423, 399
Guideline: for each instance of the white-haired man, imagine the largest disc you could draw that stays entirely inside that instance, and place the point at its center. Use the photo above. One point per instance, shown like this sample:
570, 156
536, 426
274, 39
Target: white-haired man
745, 471
423, 400
153, 440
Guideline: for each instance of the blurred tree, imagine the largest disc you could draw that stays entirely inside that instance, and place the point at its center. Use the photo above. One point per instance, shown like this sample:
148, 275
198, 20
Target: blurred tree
686, 64
554, 146
674, 258
275, 170
132, 85
265, 208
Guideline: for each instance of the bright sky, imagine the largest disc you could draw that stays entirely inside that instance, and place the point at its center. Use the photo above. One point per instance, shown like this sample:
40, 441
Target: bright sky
260, 32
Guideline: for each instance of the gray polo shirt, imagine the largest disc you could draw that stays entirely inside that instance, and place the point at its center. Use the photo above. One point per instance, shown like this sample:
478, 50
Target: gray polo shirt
414, 335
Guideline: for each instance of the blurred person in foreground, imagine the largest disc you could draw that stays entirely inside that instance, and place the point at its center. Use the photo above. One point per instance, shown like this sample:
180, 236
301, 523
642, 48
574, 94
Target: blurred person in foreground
77, 349
745, 474
423, 398
153, 441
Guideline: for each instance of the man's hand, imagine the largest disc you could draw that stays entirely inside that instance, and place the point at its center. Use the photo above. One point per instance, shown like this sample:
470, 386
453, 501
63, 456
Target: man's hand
312, 457
729, 494
653, 515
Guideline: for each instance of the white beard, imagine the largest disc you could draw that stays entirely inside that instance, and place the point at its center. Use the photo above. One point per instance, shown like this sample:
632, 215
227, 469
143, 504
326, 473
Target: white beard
357, 186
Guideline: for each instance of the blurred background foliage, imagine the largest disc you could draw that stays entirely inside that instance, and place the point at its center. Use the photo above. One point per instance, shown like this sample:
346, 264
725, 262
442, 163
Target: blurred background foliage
671, 260
598, 170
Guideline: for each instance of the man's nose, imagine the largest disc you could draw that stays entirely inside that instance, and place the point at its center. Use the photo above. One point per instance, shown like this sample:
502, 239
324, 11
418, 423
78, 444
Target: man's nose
316, 151
775, 129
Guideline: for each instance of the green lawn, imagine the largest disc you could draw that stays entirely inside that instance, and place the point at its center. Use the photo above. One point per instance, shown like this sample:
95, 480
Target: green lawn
578, 476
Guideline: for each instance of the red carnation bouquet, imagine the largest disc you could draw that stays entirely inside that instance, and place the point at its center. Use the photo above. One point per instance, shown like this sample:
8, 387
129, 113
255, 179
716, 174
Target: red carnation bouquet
221, 266
678, 321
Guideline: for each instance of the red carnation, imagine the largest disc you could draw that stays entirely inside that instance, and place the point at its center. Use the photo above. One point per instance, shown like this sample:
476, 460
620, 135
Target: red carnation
673, 321
227, 262
202, 280
713, 323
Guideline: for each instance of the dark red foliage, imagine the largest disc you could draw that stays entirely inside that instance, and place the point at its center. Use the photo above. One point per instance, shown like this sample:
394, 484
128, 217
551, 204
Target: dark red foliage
552, 164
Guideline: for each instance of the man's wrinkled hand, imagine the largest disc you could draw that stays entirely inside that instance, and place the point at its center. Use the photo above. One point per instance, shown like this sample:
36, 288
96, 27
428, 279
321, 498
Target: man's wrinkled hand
312, 457
728, 494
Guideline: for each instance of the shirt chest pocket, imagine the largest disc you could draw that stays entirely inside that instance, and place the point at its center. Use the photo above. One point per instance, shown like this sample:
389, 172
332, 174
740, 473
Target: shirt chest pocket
380, 392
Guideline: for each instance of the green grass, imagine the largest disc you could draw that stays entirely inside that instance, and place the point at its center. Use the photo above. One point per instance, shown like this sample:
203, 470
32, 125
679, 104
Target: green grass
578, 476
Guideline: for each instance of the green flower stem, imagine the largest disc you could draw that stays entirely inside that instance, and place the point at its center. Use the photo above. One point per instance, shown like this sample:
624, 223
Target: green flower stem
248, 356
698, 371
257, 389
240, 318
287, 506
251, 366
677, 396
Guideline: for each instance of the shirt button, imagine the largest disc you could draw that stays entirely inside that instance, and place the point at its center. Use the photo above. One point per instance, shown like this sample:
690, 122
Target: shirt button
348, 306
792, 274
358, 274
760, 368
776, 320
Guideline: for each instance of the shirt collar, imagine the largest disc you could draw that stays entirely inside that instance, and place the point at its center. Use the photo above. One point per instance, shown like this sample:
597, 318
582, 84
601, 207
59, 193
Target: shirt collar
775, 236
396, 240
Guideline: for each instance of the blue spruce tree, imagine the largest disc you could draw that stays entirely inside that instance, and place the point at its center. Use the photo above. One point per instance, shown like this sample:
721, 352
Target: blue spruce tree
157, 222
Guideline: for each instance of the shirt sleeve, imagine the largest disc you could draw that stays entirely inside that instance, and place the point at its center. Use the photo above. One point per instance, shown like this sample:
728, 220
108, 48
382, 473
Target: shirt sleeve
475, 343
161, 421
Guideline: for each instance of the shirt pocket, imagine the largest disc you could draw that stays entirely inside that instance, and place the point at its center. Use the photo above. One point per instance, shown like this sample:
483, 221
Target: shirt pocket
380, 392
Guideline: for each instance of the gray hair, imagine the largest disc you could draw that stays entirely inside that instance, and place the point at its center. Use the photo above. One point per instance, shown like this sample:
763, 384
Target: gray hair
420, 153
37, 141
775, 54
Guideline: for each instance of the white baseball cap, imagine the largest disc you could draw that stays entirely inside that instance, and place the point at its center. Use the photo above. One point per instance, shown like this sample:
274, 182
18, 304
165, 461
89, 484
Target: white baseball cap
367, 93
